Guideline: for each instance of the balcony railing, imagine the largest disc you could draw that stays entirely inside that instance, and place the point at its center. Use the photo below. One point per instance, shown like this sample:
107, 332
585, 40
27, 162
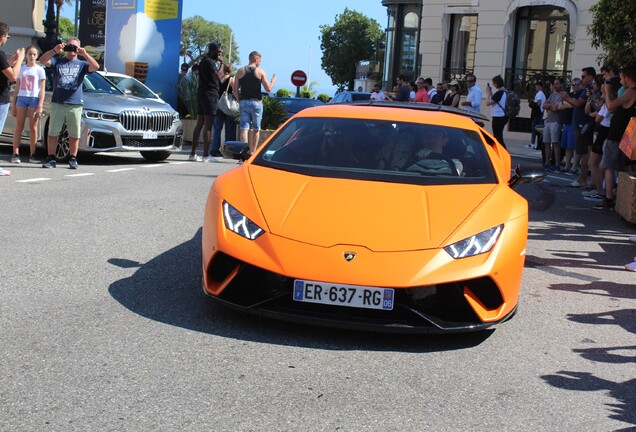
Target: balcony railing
450, 74
523, 81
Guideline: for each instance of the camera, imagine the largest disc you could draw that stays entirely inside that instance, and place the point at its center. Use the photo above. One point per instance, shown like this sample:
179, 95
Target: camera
70, 48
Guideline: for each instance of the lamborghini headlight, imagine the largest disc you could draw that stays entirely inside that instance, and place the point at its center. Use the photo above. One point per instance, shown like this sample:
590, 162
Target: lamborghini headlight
475, 245
236, 222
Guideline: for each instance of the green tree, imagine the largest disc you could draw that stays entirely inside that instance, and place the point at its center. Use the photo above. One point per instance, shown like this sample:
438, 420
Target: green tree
613, 31
59, 4
350, 39
66, 28
323, 97
197, 33
283, 92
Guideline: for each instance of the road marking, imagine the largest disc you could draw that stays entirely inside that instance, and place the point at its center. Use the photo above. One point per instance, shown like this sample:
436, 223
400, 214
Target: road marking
153, 166
180, 163
33, 180
80, 175
120, 170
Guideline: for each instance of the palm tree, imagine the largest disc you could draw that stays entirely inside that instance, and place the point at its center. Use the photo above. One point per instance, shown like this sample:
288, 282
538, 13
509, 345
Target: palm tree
59, 4
309, 89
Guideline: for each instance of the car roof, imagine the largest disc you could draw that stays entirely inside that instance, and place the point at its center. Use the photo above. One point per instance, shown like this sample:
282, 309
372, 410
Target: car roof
397, 111
113, 74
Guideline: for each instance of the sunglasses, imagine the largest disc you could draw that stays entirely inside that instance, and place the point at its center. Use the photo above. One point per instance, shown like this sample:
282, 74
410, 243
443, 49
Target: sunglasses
470, 80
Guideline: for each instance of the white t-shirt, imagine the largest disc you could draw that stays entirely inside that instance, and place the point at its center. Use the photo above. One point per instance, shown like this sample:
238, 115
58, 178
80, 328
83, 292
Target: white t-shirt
30, 80
378, 96
539, 98
496, 109
607, 116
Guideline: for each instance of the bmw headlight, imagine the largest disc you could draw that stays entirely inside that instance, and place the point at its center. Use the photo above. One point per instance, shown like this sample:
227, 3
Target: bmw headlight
236, 222
475, 245
96, 115
175, 116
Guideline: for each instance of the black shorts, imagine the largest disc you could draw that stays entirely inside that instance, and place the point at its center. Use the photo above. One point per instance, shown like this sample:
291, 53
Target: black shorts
601, 134
207, 103
582, 142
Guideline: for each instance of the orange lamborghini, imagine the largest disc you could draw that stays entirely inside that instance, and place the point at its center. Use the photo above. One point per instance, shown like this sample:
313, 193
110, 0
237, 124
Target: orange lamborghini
375, 215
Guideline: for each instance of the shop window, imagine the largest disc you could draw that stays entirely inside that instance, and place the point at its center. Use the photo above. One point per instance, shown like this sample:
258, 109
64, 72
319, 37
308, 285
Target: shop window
460, 52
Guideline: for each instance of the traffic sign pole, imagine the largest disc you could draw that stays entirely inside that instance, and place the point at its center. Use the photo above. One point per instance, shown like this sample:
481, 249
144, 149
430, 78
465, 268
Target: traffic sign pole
298, 78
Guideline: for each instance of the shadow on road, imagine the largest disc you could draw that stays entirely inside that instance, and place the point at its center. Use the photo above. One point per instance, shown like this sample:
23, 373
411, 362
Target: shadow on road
624, 392
168, 289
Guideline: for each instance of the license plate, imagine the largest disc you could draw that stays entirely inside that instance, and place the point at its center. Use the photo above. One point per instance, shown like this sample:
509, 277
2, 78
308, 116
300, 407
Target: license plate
150, 135
343, 295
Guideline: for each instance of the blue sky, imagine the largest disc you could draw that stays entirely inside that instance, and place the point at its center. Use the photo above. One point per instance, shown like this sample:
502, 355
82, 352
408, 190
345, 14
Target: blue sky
285, 32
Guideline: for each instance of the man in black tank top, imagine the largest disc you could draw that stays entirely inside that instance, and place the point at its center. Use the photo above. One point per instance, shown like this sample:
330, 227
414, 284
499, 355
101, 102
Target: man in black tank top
623, 109
247, 90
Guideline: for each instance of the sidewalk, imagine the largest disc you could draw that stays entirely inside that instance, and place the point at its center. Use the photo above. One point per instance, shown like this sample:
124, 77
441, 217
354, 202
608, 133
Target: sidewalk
517, 144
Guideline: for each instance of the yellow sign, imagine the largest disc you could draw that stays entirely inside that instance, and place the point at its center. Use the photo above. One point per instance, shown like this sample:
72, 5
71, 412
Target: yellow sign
161, 9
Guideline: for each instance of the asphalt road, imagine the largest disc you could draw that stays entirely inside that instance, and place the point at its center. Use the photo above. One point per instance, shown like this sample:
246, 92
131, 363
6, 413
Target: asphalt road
104, 327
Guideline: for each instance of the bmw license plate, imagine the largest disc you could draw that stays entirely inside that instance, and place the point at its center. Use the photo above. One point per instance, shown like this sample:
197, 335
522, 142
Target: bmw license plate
343, 295
150, 135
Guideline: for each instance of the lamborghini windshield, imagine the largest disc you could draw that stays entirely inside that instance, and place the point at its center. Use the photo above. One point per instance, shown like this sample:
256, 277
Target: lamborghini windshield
379, 150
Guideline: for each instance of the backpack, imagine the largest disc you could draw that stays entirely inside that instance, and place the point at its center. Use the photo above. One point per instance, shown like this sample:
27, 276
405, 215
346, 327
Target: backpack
513, 104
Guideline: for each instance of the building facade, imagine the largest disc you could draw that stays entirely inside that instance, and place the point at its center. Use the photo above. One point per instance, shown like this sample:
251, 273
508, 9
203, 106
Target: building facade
24, 18
524, 41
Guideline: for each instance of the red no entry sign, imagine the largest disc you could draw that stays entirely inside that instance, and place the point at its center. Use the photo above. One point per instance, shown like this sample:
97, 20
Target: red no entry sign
299, 78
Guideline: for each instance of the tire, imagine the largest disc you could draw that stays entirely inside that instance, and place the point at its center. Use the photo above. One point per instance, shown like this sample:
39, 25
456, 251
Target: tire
155, 156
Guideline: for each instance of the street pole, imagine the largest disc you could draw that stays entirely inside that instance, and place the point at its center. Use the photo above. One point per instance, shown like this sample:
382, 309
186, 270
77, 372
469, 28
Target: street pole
76, 26
48, 42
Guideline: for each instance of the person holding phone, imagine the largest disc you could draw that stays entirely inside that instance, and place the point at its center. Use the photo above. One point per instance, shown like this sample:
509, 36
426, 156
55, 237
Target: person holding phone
497, 103
68, 97
583, 135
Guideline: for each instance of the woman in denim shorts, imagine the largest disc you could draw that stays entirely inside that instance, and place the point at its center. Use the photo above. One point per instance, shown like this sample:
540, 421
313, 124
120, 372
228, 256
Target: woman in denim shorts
28, 103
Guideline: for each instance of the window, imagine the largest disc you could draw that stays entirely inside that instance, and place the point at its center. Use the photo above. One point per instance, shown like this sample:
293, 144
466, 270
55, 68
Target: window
541, 40
408, 51
379, 150
460, 58
402, 40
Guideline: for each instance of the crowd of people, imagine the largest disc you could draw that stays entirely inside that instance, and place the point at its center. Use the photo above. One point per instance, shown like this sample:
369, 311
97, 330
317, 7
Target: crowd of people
581, 127
214, 78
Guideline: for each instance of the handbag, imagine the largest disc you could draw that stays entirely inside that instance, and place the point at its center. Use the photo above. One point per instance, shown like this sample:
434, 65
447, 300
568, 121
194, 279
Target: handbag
229, 105
628, 141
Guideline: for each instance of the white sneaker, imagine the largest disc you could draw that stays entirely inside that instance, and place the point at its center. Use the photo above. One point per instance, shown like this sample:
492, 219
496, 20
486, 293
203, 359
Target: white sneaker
631, 266
4, 172
210, 159
589, 192
195, 158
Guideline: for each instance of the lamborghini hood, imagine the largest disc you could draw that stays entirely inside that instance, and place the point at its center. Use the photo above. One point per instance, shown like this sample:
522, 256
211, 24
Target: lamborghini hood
376, 215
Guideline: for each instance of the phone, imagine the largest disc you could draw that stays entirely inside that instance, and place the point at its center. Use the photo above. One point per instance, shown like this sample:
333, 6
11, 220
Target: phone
488, 84
70, 48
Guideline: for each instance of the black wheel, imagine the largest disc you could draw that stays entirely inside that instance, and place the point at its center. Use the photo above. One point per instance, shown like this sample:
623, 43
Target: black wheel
155, 156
